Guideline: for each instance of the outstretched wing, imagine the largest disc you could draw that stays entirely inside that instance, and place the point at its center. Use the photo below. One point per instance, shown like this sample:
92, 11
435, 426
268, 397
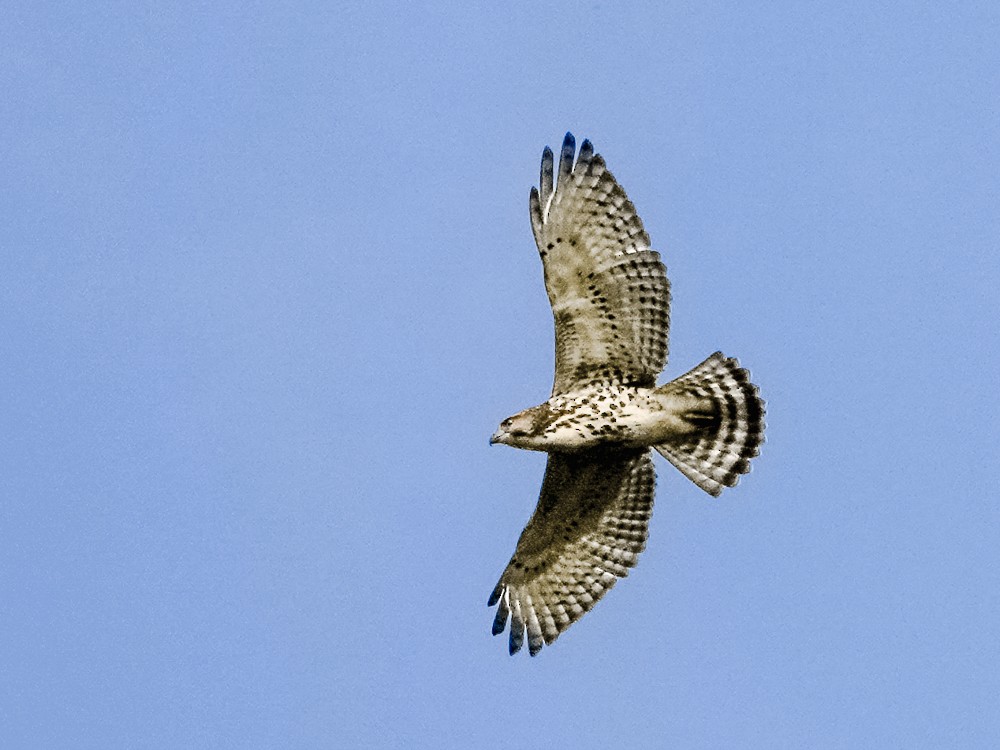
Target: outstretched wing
588, 529
609, 291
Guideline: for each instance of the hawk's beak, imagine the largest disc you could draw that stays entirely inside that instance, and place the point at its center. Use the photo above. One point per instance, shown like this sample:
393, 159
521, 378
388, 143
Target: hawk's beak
496, 437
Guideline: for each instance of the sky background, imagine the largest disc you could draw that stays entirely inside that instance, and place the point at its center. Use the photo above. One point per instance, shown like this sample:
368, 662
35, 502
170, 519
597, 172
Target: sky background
268, 285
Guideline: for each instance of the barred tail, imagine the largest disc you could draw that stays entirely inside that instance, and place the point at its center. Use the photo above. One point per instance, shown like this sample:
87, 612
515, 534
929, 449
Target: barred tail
729, 430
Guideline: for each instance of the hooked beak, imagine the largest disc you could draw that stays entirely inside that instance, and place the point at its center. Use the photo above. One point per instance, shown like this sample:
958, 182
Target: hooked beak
496, 437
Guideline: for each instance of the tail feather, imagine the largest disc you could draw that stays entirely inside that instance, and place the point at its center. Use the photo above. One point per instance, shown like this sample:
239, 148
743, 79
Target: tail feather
729, 430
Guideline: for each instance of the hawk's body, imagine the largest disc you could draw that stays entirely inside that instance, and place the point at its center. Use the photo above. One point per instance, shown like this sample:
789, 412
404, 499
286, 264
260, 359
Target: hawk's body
610, 299
602, 413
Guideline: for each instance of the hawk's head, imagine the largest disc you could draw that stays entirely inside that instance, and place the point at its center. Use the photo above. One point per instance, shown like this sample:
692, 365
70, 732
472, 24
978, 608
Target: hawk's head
525, 429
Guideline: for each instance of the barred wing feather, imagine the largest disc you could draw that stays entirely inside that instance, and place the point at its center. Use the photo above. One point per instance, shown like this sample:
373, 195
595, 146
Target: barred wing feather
588, 529
609, 291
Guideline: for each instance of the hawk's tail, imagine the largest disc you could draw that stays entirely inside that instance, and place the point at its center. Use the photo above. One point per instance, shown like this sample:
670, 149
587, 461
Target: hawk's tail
728, 427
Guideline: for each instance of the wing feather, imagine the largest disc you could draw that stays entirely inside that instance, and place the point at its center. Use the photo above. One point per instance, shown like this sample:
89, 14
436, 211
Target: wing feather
546, 179
587, 531
609, 291
566, 155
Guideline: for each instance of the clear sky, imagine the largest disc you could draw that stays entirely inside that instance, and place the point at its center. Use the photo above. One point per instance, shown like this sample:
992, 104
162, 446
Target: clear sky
268, 285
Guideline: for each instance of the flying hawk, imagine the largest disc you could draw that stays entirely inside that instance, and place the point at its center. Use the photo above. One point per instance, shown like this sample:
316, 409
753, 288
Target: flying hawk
610, 299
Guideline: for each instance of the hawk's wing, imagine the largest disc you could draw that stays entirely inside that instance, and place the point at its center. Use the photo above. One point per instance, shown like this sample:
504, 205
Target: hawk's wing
609, 291
590, 525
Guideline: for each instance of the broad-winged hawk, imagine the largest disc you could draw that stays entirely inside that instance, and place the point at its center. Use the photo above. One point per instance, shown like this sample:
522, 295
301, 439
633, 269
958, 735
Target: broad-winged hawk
610, 298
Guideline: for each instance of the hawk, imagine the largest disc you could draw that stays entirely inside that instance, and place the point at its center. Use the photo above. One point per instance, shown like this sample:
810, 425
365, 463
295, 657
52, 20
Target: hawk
610, 299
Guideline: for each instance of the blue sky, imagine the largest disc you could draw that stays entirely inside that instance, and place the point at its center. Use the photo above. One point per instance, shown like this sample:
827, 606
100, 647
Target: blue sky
269, 285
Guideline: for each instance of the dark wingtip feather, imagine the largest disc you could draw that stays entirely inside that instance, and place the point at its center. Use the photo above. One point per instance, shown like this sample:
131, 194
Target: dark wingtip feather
546, 180
500, 621
586, 153
516, 628
495, 596
498, 626
566, 156
535, 211
516, 637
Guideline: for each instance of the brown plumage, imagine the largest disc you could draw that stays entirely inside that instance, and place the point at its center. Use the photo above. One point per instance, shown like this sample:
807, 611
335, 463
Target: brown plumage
611, 303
